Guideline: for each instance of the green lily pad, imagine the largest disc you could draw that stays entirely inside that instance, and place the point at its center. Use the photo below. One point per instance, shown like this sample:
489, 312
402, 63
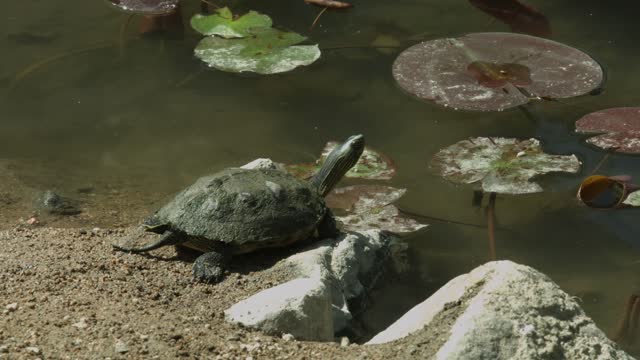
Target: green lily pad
372, 165
268, 51
501, 165
370, 207
223, 24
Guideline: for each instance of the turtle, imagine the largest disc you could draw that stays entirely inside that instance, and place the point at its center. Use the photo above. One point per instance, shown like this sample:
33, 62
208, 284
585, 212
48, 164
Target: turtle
237, 211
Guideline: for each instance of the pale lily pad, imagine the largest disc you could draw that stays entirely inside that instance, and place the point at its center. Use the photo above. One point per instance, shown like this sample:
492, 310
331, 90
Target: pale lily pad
501, 165
223, 24
633, 199
619, 129
370, 207
372, 165
146, 7
268, 51
456, 72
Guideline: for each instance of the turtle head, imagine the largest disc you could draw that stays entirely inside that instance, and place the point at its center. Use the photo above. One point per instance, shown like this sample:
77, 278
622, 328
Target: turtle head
339, 161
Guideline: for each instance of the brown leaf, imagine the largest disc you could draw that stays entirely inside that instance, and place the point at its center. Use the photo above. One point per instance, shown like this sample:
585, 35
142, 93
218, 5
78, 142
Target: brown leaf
332, 4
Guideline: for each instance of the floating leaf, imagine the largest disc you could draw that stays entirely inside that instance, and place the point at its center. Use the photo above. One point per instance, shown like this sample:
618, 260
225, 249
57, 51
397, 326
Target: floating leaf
146, 7
620, 129
633, 199
223, 24
369, 207
446, 71
520, 17
267, 51
501, 165
608, 192
372, 165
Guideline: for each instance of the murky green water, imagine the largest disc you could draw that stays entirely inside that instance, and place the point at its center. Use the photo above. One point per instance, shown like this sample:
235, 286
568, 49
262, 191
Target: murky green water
120, 126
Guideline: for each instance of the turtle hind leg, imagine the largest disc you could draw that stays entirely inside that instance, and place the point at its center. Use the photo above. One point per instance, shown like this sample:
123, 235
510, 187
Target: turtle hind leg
210, 267
169, 238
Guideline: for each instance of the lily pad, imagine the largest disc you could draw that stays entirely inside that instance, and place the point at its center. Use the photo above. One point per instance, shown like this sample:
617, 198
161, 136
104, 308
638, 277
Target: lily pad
372, 165
146, 7
268, 52
520, 17
223, 24
619, 129
370, 206
501, 165
633, 199
453, 72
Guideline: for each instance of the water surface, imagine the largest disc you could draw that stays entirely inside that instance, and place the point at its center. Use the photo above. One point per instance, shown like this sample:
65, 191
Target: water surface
121, 126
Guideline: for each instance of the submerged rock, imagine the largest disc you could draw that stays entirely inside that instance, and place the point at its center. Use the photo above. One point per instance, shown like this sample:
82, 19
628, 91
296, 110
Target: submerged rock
501, 310
52, 203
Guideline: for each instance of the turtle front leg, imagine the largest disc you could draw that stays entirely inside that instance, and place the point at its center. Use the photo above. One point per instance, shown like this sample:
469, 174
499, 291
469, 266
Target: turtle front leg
210, 267
327, 228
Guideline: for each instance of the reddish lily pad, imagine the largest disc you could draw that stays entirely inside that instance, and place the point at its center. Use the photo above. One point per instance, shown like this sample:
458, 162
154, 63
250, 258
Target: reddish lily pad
501, 165
372, 165
498, 75
619, 129
520, 17
370, 207
442, 70
146, 7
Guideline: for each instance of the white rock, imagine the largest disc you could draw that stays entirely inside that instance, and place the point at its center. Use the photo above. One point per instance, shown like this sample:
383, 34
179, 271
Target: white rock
262, 163
4, 349
301, 307
11, 307
288, 337
344, 341
502, 310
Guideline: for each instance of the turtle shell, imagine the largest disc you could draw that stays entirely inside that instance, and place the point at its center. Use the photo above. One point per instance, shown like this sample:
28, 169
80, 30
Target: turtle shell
247, 209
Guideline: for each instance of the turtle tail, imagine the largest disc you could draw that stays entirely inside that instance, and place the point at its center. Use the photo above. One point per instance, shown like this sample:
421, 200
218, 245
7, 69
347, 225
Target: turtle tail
168, 238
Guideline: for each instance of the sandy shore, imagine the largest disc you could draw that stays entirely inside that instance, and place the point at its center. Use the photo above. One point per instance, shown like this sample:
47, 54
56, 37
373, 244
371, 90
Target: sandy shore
66, 294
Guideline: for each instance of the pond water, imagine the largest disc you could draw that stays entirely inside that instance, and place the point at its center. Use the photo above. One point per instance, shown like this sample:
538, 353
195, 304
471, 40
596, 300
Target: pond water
121, 125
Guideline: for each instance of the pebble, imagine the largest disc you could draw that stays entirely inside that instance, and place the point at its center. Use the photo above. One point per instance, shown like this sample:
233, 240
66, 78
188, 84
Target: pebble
4, 349
33, 350
344, 341
82, 324
288, 337
121, 347
12, 307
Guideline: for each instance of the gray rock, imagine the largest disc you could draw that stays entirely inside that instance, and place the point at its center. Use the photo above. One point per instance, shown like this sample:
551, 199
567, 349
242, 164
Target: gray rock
325, 274
301, 307
502, 310
357, 258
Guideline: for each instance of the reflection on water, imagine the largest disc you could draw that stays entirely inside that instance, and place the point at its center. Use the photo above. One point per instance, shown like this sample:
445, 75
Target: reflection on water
121, 126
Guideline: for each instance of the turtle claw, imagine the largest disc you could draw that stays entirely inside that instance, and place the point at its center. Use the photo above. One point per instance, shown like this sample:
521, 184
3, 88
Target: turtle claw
210, 267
